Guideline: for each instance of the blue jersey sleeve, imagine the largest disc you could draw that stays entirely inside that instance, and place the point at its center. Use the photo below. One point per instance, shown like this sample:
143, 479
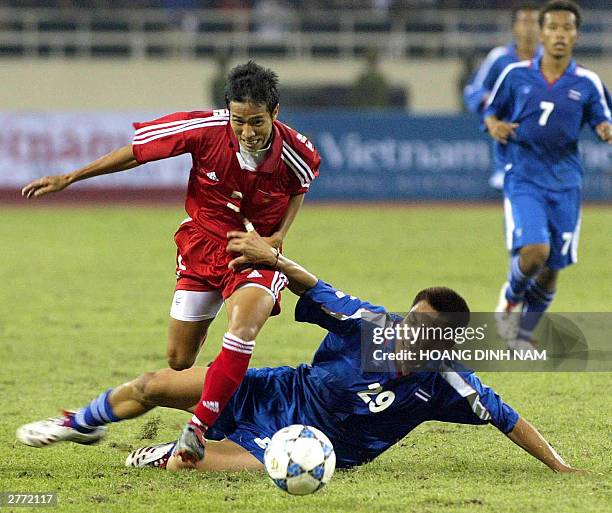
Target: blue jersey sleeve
477, 91
332, 309
500, 102
473, 96
465, 400
597, 108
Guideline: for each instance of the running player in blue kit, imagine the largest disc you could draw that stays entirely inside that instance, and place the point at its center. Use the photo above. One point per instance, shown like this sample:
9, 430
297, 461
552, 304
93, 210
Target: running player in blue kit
363, 413
537, 109
526, 32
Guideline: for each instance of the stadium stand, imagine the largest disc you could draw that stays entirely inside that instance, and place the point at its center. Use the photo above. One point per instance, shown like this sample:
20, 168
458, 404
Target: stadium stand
295, 29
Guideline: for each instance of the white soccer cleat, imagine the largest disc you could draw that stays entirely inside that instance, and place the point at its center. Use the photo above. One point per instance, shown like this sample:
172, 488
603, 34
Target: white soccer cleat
521, 345
152, 456
507, 316
49, 431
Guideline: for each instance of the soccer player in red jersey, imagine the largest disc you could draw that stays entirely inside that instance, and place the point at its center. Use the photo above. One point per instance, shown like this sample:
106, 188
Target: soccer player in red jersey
246, 164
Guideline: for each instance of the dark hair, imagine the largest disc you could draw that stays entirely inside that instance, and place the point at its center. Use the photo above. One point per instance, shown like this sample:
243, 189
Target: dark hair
251, 82
443, 299
529, 6
561, 5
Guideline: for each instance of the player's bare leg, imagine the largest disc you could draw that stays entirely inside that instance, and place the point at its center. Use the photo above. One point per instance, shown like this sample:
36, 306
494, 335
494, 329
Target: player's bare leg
166, 387
223, 456
247, 311
248, 308
185, 338
548, 279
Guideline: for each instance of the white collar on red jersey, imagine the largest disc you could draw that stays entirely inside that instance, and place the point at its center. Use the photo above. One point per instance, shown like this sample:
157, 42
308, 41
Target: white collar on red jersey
250, 160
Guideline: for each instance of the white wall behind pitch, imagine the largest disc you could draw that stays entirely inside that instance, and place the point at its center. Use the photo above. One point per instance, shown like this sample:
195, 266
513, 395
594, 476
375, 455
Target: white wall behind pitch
166, 85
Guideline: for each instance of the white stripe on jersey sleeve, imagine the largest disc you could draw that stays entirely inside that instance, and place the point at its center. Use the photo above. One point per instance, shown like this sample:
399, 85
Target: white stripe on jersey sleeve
343, 317
464, 389
179, 129
308, 174
502, 76
487, 64
151, 130
294, 168
168, 124
594, 77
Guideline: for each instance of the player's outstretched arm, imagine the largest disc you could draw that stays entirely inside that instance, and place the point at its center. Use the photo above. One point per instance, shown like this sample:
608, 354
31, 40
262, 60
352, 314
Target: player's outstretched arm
117, 160
254, 250
529, 438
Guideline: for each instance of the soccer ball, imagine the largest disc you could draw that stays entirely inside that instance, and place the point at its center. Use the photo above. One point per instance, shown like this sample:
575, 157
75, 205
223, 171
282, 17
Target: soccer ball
300, 459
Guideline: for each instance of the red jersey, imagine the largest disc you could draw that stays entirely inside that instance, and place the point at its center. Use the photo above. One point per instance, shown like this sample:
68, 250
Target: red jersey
291, 164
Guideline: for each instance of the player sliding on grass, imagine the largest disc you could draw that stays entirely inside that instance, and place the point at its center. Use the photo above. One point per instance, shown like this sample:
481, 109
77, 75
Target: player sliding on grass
245, 163
537, 108
363, 413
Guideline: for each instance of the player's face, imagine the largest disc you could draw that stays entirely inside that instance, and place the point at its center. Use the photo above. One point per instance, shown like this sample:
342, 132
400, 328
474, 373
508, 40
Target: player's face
252, 124
526, 27
422, 314
559, 33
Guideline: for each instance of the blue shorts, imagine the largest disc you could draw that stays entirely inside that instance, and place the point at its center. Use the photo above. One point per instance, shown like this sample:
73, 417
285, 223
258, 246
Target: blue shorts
257, 410
270, 399
534, 215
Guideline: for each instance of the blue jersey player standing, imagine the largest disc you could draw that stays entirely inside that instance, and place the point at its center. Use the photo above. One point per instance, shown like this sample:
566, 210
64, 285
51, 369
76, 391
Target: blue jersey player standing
536, 110
526, 32
363, 412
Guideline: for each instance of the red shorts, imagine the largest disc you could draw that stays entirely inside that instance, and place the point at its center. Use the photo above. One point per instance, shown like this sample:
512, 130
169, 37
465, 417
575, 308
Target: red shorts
202, 266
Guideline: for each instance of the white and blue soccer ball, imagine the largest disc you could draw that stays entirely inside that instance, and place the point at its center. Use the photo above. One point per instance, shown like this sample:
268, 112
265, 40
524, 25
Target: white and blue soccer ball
300, 459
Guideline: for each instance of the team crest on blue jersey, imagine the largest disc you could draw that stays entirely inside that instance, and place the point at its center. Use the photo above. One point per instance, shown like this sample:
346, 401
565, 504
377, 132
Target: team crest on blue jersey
574, 95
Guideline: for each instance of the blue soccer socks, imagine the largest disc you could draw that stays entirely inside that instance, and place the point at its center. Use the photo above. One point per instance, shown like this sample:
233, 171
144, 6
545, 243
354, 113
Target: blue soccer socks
517, 281
536, 301
97, 413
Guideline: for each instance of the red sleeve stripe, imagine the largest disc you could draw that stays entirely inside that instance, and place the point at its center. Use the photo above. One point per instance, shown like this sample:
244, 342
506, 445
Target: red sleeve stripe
185, 126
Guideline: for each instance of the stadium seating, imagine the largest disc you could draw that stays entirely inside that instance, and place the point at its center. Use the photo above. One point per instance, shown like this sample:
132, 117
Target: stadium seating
126, 29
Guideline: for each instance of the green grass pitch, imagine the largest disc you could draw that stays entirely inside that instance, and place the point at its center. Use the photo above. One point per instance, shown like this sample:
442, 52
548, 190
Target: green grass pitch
84, 304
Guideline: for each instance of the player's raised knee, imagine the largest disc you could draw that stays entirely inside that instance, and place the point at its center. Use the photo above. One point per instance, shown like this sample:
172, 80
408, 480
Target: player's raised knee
534, 257
179, 361
141, 386
151, 386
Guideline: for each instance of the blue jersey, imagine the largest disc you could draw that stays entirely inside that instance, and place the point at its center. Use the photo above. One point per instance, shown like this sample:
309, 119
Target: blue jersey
550, 117
363, 413
477, 92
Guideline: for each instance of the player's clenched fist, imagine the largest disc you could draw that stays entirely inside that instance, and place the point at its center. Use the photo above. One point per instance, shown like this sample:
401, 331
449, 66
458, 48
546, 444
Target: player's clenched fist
253, 249
45, 185
604, 131
500, 130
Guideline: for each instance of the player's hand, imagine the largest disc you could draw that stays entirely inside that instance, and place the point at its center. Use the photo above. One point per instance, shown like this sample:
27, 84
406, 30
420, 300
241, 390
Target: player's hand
501, 131
252, 247
45, 185
604, 131
274, 241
